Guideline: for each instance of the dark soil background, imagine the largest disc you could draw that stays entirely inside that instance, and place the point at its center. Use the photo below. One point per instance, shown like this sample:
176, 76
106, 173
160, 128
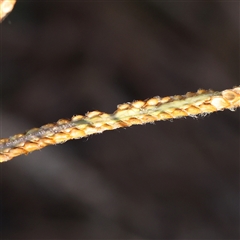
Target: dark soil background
169, 180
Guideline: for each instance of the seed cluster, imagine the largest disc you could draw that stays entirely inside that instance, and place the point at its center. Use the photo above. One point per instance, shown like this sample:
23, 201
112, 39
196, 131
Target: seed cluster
126, 115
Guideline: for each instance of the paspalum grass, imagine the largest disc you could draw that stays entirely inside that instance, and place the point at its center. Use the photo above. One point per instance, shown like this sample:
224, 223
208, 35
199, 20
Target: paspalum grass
136, 113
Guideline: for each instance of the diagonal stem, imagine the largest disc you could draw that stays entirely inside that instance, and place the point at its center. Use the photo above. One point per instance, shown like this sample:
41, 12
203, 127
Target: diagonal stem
127, 114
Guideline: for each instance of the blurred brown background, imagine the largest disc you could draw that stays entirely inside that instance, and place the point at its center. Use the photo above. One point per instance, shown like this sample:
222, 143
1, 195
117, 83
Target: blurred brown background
169, 180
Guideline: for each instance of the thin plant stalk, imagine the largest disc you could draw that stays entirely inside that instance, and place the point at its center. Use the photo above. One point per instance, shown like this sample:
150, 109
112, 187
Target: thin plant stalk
136, 113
